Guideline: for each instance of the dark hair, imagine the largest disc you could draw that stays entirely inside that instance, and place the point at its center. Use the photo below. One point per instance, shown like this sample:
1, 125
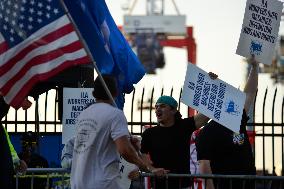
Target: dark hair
29, 137
178, 116
99, 91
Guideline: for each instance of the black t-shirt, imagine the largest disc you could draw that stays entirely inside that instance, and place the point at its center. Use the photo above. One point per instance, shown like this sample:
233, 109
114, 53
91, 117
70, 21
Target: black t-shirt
229, 153
168, 147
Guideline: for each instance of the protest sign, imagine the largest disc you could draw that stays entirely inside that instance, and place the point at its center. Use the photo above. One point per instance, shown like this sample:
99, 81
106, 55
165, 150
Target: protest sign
75, 100
260, 28
214, 98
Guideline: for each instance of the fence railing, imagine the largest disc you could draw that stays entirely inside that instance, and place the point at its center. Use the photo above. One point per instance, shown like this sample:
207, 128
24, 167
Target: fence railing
266, 127
59, 178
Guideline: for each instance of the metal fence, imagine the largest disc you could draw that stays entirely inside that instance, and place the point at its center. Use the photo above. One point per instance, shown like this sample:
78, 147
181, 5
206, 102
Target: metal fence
59, 178
265, 128
33, 178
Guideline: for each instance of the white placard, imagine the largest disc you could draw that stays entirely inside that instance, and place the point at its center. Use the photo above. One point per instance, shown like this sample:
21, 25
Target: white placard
124, 169
260, 28
75, 101
214, 98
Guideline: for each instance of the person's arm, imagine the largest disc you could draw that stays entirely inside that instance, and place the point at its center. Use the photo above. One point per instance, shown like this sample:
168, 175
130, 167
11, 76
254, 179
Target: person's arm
128, 152
200, 120
15, 158
251, 85
146, 158
19, 165
205, 168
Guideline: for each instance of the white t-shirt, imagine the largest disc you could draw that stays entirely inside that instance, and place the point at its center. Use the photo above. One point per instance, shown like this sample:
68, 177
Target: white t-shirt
194, 167
95, 162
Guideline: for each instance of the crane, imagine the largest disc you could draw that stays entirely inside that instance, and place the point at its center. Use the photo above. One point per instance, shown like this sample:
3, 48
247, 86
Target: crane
151, 32
276, 69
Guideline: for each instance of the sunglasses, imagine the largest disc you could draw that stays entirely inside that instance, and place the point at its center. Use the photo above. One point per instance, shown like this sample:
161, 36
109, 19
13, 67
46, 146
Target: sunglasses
28, 143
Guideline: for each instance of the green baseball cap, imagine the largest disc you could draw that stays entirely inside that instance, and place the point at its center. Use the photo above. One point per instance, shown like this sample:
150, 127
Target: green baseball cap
167, 100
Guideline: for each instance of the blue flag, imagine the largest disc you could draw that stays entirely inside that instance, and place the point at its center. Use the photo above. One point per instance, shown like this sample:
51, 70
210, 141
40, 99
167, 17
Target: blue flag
111, 51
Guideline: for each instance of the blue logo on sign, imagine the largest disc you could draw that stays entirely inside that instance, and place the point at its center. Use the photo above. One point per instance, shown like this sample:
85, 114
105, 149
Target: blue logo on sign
255, 47
232, 108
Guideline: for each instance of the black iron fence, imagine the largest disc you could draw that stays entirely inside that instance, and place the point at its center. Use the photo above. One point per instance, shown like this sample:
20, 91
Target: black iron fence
59, 178
265, 128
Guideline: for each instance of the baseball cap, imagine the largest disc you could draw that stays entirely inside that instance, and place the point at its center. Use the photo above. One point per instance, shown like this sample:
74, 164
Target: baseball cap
167, 100
29, 137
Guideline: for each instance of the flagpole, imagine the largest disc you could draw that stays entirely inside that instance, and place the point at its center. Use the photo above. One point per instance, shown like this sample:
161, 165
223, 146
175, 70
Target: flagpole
90, 55
87, 51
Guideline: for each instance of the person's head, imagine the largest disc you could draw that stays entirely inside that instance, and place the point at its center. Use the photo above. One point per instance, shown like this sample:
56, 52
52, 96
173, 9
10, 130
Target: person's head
166, 109
29, 142
99, 92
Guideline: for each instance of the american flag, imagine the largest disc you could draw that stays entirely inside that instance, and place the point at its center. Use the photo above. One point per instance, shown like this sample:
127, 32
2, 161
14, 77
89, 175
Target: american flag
37, 41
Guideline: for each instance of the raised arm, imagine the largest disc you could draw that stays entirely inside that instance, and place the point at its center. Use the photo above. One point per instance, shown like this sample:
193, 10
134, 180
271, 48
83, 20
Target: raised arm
251, 85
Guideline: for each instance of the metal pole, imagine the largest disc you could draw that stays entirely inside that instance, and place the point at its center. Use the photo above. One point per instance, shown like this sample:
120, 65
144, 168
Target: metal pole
87, 51
176, 7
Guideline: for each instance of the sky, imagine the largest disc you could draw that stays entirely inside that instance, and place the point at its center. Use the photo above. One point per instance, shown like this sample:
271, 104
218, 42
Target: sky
216, 26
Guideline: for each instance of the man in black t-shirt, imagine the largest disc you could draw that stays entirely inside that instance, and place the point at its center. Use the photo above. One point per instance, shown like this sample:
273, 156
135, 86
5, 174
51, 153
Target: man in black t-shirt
229, 153
167, 143
9, 162
168, 147
221, 151
6, 162
33, 159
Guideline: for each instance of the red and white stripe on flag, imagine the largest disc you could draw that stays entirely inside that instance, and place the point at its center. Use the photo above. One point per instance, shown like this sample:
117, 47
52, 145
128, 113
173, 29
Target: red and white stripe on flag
3, 45
42, 55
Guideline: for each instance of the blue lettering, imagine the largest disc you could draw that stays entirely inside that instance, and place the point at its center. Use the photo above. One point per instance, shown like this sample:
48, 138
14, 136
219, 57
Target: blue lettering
205, 95
211, 102
219, 103
214, 89
200, 79
191, 85
197, 95
217, 114
222, 90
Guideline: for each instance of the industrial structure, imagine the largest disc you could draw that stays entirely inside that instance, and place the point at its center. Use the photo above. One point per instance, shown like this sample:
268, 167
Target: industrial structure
276, 69
149, 33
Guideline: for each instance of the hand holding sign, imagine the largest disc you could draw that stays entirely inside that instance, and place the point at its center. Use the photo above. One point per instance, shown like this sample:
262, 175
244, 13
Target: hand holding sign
213, 75
253, 61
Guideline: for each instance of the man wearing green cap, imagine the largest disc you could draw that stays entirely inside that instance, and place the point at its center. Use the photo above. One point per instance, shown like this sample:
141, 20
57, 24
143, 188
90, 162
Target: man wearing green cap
167, 143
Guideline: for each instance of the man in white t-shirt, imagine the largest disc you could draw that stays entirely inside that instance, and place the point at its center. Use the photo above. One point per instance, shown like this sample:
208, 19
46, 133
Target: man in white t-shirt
102, 135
